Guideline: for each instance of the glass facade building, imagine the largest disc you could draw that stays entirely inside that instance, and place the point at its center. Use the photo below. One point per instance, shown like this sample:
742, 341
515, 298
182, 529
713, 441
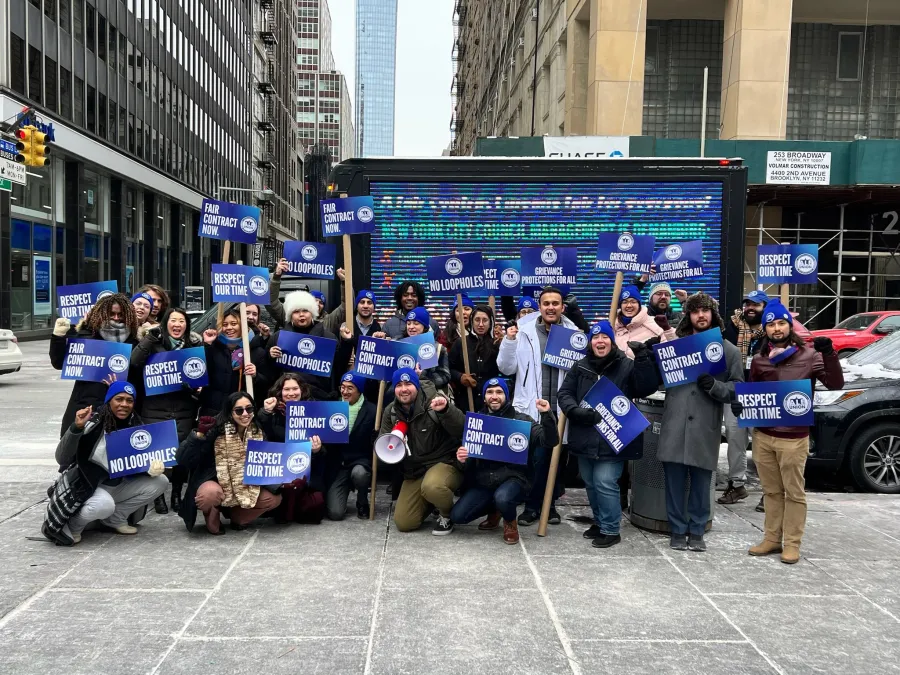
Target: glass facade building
376, 59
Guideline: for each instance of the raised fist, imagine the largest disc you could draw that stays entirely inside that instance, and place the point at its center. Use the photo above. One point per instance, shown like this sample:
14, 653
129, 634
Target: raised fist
511, 332
82, 416
542, 405
269, 404
210, 335
61, 327
439, 403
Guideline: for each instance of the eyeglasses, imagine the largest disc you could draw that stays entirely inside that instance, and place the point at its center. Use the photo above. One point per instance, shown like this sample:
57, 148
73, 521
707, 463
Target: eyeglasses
240, 410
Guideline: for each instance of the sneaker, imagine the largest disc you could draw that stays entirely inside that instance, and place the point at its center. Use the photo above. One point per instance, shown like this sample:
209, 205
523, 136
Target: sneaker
362, 512
510, 532
678, 542
126, 529
606, 540
733, 494
492, 522
592, 532
761, 507
555, 518
76, 538
528, 517
442, 526
696, 543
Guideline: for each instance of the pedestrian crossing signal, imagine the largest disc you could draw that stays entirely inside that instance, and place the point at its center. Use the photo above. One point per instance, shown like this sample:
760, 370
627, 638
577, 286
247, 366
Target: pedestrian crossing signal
31, 148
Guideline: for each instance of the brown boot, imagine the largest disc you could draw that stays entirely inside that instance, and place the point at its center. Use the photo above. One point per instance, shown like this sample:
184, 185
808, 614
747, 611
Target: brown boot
765, 547
511, 531
491, 522
791, 555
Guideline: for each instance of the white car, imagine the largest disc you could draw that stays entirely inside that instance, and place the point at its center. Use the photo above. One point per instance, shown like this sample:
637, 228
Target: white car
10, 354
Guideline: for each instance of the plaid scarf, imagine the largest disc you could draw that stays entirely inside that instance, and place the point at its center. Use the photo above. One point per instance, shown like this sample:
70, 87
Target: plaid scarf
746, 336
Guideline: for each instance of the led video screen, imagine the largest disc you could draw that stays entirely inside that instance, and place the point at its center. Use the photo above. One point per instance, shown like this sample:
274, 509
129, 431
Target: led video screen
421, 219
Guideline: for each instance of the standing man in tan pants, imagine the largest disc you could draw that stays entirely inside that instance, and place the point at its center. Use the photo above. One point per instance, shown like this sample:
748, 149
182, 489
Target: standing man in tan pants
780, 452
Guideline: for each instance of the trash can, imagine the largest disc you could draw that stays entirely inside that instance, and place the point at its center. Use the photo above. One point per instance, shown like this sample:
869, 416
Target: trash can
647, 509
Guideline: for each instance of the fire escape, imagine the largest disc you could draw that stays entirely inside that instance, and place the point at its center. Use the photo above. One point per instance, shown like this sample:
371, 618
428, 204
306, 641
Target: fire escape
459, 15
266, 85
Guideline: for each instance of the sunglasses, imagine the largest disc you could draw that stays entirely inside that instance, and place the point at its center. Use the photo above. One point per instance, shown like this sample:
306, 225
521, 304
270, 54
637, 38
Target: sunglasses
240, 410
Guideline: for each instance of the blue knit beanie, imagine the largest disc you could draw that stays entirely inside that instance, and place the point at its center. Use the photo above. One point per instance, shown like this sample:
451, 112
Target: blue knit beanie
405, 375
605, 328
495, 382
421, 315
145, 296
630, 293
119, 387
365, 295
355, 379
775, 310
467, 302
318, 295
527, 303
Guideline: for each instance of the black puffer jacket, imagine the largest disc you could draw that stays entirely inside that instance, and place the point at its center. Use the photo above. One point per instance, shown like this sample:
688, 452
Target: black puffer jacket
636, 379
225, 380
196, 454
483, 367
322, 386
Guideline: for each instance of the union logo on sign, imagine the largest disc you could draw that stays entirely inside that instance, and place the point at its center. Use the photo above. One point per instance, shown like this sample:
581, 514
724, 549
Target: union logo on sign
248, 224
338, 422
548, 256
298, 462
365, 214
625, 242
714, 352
141, 439
103, 294
406, 361
258, 285
673, 252
309, 252
510, 277
797, 403
620, 405
517, 442
194, 367
805, 263
426, 351
306, 346
578, 341
117, 363
453, 266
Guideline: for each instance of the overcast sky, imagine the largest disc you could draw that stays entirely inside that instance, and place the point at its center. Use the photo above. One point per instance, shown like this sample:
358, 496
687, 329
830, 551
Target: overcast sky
424, 70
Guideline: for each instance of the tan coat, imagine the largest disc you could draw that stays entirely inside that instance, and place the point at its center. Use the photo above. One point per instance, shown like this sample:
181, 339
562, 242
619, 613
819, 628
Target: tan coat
231, 453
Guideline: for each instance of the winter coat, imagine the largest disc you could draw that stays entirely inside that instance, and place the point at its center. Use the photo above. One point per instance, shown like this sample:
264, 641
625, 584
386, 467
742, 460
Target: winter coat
635, 378
806, 363
395, 327
322, 385
197, 455
274, 425
181, 405
482, 368
692, 419
231, 454
358, 451
432, 438
225, 380
640, 329
345, 349
85, 393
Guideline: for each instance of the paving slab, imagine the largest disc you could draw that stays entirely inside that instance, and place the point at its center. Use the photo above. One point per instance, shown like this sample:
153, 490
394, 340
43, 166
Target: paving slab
672, 658
874, 579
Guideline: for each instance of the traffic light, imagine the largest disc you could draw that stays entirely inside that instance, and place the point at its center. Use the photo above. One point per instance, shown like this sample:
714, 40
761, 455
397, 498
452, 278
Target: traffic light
31, 146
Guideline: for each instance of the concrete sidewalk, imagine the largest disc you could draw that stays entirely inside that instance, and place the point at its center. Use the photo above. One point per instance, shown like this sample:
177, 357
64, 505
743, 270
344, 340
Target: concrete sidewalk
359, 597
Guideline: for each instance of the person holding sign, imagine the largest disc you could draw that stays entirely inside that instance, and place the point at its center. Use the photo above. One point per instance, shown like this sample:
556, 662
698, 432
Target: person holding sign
408, 295
431, 473
302, 501
600, 466
660, 299
364, 324
418, 322
780, 452
634, 323
482, 347
692, 421
112, 319
521, 355
452, 331
81, 455
172, 334
225, 363
215, 455
495, 489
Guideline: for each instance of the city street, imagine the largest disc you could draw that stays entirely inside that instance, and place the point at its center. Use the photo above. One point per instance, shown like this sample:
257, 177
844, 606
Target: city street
359, 597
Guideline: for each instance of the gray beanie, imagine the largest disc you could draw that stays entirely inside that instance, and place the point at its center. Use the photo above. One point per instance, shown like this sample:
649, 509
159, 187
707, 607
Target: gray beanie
659, 286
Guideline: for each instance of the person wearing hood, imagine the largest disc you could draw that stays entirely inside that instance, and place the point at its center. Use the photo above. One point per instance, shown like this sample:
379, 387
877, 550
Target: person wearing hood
599, 465
225, 364
172, 334
521, 355
692, 428
780, 453
81, 455
364, 324
408, 295
743, 329
418, 322
482, 347
112, 319
431, 472
452, 332
634, 323
495, 489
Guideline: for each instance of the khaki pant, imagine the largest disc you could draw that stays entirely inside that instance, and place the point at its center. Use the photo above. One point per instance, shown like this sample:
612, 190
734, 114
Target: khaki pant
780, 463
210, 496
436, 487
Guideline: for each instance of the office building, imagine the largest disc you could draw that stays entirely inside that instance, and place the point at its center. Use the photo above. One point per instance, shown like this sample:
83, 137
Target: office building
376, 57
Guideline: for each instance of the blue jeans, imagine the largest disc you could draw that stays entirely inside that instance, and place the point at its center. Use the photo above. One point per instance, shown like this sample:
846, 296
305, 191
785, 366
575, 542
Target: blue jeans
692, 519
601, 481
480, 501
535, 499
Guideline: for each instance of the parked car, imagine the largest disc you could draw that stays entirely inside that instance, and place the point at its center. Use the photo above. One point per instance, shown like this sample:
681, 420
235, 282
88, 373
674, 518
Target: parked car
858, 331
858, 428
10, 354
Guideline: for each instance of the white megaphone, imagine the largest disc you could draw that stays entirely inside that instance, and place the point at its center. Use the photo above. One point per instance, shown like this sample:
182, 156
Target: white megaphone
391, 448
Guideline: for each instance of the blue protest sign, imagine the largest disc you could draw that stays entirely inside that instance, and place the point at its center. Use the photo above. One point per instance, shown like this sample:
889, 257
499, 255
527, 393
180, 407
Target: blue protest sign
306, 353
678, 261
786, 403
74, 302
503, 277
240, 283
329, 420
684, 360
624, 252
165, 372
230, 221
457, 273
428, 356
131, 450
95, 360
548, 266
309, 259
496, 438
787, 264
565, 346
622, 421
377, 359
276, 463
351, 215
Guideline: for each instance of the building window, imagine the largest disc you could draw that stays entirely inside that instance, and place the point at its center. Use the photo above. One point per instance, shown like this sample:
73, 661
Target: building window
65, 93
112, 121
78, 19
90, 28
651, 53
101, 37
849, 56
64, 15
17, 63
50, 83
112, 48
123, 128
91, 109
50, 9
79, 101
35, 83
101, 116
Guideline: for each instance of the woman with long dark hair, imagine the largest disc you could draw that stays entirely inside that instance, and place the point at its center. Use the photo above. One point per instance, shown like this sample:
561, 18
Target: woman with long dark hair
482, 346
452, 332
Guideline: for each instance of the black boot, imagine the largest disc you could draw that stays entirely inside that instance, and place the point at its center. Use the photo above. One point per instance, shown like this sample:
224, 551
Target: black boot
175, 502
159, 505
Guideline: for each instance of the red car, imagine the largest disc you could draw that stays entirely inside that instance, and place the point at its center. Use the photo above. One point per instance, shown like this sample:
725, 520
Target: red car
858, 331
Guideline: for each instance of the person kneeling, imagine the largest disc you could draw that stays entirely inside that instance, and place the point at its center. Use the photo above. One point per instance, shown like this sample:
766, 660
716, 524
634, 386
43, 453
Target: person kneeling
430, 471
215, 455
81, 455
497, 488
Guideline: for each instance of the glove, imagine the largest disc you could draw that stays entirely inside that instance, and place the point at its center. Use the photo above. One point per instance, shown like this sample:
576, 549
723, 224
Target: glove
156, 468
154, 334
299, 483
637, 347
204, 424
662, 321
737, 408
706, 382
652, 341
823, 345
61, 327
